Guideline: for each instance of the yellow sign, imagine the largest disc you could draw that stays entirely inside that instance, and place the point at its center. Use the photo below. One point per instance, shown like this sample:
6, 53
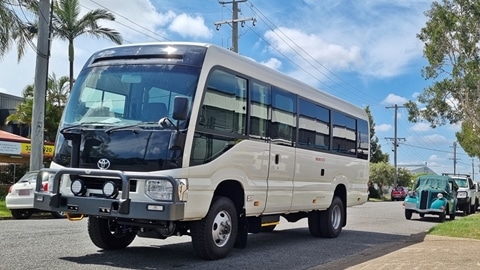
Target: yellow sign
47, 149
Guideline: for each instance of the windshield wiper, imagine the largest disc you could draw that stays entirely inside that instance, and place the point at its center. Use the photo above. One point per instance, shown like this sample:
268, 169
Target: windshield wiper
69, 128
112, 129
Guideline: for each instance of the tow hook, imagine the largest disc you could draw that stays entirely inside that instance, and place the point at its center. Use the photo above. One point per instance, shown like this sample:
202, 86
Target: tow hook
74, 217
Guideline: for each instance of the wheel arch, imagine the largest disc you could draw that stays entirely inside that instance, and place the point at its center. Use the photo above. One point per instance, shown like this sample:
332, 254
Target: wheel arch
233, 190
341, 192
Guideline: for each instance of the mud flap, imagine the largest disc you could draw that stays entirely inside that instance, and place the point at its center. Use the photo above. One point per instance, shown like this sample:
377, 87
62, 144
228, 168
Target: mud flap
242, 235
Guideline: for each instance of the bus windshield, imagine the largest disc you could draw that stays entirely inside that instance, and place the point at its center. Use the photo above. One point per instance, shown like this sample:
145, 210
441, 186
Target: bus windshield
129, 94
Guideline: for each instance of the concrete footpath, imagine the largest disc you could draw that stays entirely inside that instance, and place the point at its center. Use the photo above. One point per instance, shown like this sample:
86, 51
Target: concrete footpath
418, 252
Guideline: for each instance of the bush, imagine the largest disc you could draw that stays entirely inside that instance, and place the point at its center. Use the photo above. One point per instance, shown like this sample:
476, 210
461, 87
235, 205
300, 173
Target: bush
3, 191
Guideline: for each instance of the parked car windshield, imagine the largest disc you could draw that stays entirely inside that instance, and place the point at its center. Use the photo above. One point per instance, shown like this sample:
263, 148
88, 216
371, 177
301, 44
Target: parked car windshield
461, 182
28, 177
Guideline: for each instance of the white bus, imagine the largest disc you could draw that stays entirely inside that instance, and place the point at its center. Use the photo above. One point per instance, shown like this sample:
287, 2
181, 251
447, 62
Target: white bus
172, 138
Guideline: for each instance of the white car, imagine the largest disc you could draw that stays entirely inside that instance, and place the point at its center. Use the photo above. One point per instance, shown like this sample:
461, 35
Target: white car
19, 199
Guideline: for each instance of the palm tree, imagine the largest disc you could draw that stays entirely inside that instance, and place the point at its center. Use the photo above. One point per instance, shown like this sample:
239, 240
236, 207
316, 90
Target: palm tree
9, 24
56, 98
67, 25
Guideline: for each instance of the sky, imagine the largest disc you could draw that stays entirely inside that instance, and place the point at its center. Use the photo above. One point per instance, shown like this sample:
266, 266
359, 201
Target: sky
365, 52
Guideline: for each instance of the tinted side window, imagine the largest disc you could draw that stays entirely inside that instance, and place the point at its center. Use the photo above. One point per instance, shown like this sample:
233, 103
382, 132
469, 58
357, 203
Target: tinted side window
313, 126
224, 104
260, 108
363, 139
344, 134
283, 117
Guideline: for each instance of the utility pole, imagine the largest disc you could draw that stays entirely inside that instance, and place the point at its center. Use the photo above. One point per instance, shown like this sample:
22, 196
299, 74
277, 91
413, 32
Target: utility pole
454, 158
234, 21
395, 140
473, 169
40, 86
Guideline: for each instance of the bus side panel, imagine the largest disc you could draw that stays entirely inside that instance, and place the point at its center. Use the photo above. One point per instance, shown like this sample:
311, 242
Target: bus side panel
311, 189
246, 162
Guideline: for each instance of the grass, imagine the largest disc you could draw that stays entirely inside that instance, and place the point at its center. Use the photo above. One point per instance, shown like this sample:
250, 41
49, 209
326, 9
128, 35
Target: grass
4, 212
466, 227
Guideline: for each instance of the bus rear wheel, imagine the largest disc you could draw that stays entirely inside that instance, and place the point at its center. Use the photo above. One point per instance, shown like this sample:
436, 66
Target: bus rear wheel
328, 223
108, 234
213, 237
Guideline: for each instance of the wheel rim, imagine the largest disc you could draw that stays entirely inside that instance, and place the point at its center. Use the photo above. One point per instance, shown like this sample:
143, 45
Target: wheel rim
336, 217
221, 228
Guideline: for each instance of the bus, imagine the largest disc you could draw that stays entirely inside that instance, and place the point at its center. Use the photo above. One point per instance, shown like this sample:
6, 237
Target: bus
179, 138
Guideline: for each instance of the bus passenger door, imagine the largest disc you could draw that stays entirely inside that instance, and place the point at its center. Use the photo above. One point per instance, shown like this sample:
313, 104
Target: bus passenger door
282, 152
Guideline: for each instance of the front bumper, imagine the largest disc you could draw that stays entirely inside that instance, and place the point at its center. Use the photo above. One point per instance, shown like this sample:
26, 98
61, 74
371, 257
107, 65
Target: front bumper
122, 207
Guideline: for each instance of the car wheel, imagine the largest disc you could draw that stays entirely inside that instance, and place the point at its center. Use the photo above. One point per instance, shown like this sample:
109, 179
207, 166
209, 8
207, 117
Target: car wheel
58, 214
21, 213
408, 214
466, 209
213, 237
452, 215
108, 234
441, 216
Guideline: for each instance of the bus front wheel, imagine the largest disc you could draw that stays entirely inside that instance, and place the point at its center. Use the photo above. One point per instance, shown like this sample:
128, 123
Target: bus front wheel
213, 237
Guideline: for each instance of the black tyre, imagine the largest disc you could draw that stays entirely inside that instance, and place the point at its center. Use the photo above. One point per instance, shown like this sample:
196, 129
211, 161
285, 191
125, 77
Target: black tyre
107, 234
466, 209
213, 237
473, 209
408, 214
58, 214
268, 228
422, 215
328, 223
441, 216
452, 215
21, 213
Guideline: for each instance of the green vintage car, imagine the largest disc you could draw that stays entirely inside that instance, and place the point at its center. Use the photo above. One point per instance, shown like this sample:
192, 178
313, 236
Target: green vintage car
434, 195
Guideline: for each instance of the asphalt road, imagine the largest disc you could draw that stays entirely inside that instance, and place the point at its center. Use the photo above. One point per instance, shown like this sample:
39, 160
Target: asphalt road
375, 227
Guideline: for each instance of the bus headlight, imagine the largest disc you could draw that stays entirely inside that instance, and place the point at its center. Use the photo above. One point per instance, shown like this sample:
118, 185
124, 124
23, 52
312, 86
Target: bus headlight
159, 190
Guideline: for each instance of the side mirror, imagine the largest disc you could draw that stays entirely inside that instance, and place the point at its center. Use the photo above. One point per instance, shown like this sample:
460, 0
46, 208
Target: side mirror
180, 108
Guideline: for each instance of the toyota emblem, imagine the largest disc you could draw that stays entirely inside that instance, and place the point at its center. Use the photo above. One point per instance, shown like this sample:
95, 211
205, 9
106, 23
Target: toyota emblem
103, 164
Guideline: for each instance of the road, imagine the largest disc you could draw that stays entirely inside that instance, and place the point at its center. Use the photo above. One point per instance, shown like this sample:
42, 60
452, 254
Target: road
373, 229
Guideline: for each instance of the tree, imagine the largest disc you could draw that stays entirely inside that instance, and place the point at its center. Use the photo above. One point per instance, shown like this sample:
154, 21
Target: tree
451, 37
57, 94
68, 25
11, 26
375, 148
381, 174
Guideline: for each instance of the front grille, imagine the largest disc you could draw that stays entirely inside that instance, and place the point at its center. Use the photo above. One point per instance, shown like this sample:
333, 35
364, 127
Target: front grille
424, 199
97, 183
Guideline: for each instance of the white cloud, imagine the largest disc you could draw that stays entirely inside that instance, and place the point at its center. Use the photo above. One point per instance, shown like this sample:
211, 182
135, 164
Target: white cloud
392, 99
273, 63
434, 158
383, 128
191, 27
313, 50
430, 140
421, 127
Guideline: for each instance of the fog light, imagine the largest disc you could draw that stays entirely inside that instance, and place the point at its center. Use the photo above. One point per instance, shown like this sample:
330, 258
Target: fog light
78, 187
110, 189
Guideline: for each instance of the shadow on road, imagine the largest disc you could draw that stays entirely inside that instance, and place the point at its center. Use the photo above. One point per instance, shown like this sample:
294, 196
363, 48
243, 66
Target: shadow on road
282, 249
